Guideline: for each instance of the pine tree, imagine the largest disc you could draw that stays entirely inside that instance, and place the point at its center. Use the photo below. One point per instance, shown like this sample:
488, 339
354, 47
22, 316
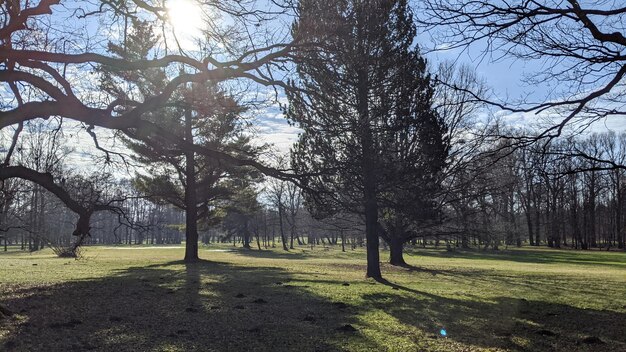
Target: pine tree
200, 114
372, 144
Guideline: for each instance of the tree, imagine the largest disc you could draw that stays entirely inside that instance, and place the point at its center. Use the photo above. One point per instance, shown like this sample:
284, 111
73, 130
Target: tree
455, 100
363, 99
577, 45
242, 216
277, 193
39, 151
44, 77
201, 114
294, 204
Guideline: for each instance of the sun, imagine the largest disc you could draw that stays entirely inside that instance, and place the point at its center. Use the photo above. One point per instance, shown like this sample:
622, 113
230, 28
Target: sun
185, 17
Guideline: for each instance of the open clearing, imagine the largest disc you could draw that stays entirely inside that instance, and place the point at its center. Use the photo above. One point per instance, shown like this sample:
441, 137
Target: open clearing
313, 300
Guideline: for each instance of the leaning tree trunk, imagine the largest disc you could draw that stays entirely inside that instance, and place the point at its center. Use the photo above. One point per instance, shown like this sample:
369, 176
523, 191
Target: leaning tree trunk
191, 213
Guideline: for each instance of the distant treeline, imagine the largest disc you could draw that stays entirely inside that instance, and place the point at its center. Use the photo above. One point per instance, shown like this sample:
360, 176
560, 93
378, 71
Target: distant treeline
564, 193
557, 194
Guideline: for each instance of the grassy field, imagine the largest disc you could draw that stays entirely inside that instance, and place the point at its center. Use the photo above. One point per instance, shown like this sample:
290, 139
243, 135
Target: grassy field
146, 299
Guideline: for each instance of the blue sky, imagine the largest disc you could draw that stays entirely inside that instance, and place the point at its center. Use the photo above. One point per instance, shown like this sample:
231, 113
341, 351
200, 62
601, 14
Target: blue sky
504, 78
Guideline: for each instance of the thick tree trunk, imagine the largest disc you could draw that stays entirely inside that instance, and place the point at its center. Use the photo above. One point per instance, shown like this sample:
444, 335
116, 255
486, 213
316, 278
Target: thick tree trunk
246, 240
396, 255
369, 177
191, 213
371, 229
371, 223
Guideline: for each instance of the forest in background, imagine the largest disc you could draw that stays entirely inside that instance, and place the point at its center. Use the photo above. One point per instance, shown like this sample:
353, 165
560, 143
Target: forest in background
391, 147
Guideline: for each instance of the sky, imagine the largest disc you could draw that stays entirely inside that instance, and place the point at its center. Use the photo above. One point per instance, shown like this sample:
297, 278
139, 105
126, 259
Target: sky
504, 78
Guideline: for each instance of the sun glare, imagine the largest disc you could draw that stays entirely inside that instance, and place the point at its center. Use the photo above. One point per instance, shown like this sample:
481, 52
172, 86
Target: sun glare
185, 17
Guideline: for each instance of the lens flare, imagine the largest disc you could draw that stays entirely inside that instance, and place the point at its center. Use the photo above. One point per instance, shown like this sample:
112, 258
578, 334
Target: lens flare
185, 16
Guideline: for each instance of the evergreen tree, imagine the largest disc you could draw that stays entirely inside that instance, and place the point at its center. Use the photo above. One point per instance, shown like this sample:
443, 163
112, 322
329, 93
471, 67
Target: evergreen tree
242, 216
372, 144
200, 114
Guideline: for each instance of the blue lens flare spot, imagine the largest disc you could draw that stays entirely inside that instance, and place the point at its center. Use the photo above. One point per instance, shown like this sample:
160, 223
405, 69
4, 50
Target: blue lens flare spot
443, 332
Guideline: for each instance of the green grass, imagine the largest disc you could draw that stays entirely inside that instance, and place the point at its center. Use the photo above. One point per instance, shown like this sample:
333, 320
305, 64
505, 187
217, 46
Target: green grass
146, 299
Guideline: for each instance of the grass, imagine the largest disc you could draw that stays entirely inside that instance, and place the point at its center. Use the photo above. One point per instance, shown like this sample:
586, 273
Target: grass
146, 299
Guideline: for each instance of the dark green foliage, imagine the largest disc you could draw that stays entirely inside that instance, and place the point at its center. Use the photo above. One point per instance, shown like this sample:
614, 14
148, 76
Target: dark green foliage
365, 105
241, 216
200, 114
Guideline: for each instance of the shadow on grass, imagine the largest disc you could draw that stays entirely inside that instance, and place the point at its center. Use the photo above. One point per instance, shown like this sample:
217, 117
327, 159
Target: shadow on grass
205, 306
211, 306
507, 323
270, 253
545, 256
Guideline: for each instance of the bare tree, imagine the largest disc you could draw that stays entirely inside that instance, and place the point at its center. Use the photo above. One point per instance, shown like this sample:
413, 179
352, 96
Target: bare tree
45, 77
276, 192
294, 205
579, 47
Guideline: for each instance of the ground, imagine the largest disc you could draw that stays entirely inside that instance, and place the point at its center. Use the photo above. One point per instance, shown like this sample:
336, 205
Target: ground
146, 299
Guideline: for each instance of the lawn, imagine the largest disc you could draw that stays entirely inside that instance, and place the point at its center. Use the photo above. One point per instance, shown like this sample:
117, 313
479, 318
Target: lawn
146, 299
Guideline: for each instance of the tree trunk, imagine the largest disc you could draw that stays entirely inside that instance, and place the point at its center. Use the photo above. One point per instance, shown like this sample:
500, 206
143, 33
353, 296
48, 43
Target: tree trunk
39, 240
282, 230
191, 213
4, 221
371, 233
396, 256
246, 239
343, 242
531, 238
618, 212
369, 176
258, 241
537, 225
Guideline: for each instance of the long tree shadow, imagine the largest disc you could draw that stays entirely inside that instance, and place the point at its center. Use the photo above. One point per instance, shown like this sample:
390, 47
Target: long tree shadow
270, 254
205, 306
507, 323
546, 256
537, 283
